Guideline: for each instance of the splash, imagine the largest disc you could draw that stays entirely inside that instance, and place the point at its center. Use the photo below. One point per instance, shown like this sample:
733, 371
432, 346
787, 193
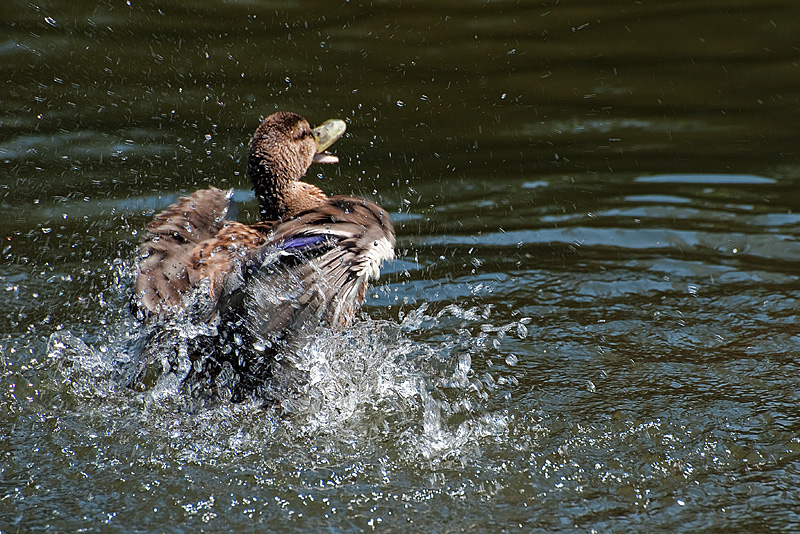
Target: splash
374, 385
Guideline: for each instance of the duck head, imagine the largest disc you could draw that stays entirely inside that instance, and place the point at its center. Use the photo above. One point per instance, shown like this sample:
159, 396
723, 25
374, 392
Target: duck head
281, 150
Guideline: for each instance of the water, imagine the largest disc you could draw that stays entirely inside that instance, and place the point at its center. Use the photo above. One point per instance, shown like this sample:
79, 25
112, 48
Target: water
591, 322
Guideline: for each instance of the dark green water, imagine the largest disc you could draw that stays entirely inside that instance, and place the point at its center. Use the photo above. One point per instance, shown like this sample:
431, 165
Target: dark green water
591, 325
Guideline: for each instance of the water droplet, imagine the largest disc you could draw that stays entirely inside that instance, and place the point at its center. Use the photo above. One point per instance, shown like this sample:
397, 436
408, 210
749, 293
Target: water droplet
522, 330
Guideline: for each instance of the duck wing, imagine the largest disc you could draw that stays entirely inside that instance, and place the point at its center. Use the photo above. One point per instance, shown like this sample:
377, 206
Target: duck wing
171, 255
313, 271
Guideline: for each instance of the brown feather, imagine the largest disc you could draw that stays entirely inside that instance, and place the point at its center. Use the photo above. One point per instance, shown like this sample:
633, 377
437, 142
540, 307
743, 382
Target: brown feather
215, 258
166, 270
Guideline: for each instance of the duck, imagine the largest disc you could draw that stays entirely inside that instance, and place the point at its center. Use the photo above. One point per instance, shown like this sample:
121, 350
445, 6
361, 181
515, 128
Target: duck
260, 291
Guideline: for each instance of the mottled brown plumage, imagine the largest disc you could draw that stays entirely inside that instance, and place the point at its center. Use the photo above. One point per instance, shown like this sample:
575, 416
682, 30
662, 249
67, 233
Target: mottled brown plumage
306, 264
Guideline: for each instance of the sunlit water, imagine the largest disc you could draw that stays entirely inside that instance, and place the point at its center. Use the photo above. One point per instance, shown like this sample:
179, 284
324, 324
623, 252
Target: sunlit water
590, 324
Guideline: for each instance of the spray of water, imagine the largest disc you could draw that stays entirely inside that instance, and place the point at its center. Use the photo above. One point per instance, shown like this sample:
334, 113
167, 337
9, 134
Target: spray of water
375, 384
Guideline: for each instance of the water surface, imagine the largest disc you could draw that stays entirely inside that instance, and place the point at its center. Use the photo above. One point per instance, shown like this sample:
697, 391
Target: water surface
591, 322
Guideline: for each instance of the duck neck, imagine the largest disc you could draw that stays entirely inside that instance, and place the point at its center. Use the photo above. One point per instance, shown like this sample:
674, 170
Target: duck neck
279, 194
269, 187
